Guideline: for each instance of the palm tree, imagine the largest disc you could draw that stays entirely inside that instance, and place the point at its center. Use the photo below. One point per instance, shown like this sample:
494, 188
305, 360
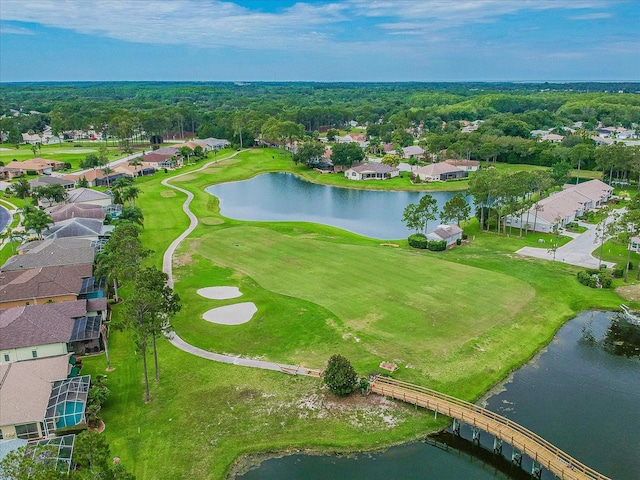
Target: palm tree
130, 194
135, 162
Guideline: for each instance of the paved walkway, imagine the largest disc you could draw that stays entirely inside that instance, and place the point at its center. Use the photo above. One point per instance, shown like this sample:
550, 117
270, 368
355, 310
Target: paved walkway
167, 267
576, 252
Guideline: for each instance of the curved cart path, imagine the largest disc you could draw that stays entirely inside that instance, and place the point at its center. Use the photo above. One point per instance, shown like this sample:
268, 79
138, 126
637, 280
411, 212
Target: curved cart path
167, 267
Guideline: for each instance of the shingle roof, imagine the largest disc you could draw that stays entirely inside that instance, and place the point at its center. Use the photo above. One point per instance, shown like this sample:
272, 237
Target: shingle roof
33, 325
447, 231
76, 227
156, 157
43, 282
374, 168
31, 380
47, 253
66, 211
436, 169
593, 189
413, 150
85, 195
48, 180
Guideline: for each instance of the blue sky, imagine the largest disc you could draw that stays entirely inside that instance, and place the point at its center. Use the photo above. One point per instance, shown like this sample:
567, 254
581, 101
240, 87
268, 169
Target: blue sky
317, 40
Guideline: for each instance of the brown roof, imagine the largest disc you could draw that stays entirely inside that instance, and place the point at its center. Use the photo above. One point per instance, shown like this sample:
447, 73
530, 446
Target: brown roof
447, 231
463, 163
66, 211
155, 157
374, 167
43, 282
30, 380
34, 325
48, 253
436, 169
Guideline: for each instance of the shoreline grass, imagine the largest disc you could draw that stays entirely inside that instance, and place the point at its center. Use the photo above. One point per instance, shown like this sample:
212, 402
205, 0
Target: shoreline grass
482, 313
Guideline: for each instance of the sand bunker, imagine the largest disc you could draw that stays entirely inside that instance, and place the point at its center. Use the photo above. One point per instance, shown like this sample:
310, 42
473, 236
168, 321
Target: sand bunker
219, 293
236, 314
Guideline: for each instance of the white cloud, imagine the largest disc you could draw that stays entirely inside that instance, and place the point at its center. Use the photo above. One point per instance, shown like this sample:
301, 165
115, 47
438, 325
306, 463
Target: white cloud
591, 16
14, 30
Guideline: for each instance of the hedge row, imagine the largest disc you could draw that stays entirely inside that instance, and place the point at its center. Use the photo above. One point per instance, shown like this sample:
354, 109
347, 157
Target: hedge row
593, 279
419, 240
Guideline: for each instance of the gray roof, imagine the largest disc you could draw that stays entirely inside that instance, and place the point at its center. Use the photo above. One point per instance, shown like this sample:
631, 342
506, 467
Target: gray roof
48, 180
447, 231
46, 253
77, 227
34, 325
43, 282
374, 167
66, 211
85, 195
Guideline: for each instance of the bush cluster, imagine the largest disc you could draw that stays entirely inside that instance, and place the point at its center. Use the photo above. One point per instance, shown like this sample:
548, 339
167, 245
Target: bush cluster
418, 240
595, 279
437, 246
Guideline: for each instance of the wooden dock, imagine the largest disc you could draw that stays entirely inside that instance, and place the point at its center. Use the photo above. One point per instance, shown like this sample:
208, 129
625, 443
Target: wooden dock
521, 439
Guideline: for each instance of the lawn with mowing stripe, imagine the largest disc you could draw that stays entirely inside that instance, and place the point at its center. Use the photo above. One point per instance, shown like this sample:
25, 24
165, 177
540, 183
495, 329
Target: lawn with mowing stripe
458, 321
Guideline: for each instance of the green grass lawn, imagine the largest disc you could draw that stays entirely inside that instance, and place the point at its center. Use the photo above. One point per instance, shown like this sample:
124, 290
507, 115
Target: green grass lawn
72, 153
458, 321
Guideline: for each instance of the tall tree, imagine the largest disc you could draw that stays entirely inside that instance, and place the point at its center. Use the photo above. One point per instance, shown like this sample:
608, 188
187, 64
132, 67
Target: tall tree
347, 154
457, 208
38, 221
21, 188
417, 216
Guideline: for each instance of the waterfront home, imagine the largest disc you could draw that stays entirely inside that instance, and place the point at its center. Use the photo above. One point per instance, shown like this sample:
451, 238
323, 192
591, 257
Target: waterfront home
440, 172
466, 165
371, 171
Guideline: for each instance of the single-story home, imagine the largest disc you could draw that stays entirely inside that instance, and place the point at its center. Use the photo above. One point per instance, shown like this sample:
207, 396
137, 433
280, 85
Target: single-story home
89, 228
371, 171
88, 196
36, 286
41, 166
11, 172
440, 172
466, 165
97, 177
51, 253
49, 180
561, 208
66, 211
30, 380
212, 143
449, 233
413, 151
158, 161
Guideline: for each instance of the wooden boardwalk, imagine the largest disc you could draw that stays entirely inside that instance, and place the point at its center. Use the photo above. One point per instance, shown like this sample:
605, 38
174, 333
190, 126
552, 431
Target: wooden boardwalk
542, 452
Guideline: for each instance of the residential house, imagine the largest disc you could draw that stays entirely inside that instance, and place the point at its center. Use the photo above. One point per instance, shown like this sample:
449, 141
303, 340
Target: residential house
562, 207
66, 211
48, 330
11, 172
466, 165
40, 166
440, 172
89, 197
97, 177
89, 228
551, 137
449, 233
36, 286
49, 180
25, 392
159, 161
208, 144
51, 253
371, 171
413, 151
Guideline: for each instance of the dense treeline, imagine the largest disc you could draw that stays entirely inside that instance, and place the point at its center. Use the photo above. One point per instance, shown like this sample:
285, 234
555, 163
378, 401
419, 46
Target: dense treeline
398, 113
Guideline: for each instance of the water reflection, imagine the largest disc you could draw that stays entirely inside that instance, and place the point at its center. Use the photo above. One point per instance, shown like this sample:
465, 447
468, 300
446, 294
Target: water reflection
277, 197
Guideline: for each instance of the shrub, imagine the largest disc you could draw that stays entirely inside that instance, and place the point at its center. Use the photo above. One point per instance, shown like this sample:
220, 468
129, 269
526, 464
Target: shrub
340, 376
584, 278
437, 246
31, 172
418, 240
630, 265
592, 271
606, 282
465, 236
458, 241
617, 272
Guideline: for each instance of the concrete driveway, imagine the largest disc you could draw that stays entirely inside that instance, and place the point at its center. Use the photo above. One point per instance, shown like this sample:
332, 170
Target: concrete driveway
576, 252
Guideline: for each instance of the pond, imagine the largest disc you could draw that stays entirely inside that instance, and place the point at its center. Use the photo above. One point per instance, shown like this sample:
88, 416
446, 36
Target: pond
286, 197
581, 393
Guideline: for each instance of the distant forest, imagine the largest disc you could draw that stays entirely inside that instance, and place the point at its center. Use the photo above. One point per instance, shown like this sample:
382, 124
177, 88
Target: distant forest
432, 114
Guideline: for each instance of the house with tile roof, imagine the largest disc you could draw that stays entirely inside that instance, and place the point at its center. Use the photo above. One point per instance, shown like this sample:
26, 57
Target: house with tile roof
52, 252
36, 286
41, 166
440, 172
413, 151
371, 171
466, 165
158, 161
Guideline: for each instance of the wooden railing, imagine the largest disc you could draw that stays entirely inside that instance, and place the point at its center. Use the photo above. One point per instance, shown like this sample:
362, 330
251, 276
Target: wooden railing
537, 448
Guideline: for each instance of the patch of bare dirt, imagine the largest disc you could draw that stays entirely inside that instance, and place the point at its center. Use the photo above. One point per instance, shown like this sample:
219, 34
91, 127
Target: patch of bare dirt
629, 292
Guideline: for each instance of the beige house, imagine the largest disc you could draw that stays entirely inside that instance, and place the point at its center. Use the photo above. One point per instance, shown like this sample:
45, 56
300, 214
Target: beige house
24, 395
371, 171
37, 286
466, 165
439, 172
41, 166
